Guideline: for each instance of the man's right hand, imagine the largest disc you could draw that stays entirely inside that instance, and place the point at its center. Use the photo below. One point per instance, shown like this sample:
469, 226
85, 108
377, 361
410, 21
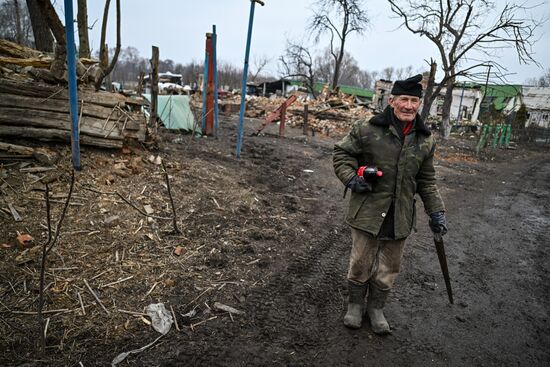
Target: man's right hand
359, 185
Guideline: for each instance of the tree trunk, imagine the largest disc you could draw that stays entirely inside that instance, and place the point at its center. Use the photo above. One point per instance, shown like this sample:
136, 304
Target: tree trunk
18, 31
53, 21
82, 18
429, 92
337, 66
105, 67
43, 39
446, 111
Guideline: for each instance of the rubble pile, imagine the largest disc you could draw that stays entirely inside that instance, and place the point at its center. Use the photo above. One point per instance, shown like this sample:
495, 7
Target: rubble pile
328, 115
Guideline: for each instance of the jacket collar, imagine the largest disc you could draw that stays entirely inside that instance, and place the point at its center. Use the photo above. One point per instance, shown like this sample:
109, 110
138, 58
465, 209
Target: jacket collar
384, 120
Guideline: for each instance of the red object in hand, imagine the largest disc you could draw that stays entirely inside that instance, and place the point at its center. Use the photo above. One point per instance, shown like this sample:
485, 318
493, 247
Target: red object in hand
369, 172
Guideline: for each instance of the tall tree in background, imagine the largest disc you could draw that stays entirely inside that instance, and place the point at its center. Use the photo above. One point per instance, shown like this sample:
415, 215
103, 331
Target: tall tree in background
258, 65
15, 23
82, 19
43, 39
339, 19
467, 34
350, 72
18, 30
297, 62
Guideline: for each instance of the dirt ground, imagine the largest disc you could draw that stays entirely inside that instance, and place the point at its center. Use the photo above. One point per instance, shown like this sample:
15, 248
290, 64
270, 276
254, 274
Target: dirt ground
264, 234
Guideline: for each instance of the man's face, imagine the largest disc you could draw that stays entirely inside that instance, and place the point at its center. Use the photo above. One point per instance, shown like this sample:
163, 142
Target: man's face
405, 107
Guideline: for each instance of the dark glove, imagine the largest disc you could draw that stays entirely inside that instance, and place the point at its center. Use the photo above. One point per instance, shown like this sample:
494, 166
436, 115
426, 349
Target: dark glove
438, 223
359, 185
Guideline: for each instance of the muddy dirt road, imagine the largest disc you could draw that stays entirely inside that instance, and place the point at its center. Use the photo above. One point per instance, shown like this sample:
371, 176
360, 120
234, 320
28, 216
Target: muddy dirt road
498, 253
265, 235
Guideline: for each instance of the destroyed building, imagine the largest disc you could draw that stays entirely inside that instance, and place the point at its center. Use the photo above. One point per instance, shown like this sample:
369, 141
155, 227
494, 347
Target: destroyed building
537, 103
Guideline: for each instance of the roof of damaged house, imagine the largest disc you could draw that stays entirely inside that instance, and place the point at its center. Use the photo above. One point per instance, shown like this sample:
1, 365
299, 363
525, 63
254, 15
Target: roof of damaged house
536, 98
500, 95
346, 89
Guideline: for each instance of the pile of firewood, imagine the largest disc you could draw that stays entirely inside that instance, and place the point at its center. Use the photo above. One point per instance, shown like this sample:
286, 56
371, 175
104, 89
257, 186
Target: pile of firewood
34, 103
40, 111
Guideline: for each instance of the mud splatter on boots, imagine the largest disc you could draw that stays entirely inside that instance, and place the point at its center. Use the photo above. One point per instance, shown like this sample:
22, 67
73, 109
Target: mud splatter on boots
375, 305
356, 300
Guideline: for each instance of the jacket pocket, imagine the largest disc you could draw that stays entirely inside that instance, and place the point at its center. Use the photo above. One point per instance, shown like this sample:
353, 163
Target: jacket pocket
356, 202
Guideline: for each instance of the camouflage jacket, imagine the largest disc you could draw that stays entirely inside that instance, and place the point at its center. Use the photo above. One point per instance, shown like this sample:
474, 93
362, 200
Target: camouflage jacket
407, 169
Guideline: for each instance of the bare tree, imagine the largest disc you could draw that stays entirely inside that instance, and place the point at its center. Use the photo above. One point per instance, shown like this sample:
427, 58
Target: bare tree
541, 81
82, 19
57, 68
339, 19
365, 79
105, 67
15, 23
18, 30
388, 72
228, 75
258, 65
467, 34
349, 69
403, 73
297, 62
43, 39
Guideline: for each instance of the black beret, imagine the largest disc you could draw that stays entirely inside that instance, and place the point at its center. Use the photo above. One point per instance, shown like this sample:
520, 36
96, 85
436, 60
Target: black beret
410, 87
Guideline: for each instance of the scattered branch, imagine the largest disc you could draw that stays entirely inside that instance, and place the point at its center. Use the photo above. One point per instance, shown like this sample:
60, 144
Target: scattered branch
176, 230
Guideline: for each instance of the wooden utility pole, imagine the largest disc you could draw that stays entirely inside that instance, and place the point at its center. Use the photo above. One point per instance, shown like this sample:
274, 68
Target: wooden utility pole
154, 78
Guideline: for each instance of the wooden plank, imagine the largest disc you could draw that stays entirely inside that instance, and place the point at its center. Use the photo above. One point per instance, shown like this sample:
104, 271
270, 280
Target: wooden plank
55, 135
33, 89
55, 105
37, 63
19, 149
46, 119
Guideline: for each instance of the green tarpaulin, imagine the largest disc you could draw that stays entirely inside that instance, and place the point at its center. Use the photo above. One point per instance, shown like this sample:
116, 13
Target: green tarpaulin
174, 112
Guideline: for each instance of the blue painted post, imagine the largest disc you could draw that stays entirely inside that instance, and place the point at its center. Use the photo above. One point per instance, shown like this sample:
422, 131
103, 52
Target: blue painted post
73, 96
214, 45
245, 75
204, 83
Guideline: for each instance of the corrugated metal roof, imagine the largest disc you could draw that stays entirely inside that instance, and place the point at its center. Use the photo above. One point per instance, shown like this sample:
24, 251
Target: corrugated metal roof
536, 98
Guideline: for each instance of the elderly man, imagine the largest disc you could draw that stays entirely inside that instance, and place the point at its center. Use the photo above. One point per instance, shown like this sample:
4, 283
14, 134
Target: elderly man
385, 161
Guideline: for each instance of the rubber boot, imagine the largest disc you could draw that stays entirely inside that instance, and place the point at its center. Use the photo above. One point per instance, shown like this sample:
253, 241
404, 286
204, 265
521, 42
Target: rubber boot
375, 305
356, 300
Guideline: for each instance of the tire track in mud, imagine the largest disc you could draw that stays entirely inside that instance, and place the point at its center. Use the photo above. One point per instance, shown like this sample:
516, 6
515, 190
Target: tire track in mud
289, 320
289, 314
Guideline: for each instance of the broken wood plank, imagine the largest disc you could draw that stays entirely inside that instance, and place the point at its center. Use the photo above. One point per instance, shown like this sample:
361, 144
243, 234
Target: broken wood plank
33, 89
222, 307
14, 213
19, 149
8, 48
56, 135
36, 169
37, 63
28, 117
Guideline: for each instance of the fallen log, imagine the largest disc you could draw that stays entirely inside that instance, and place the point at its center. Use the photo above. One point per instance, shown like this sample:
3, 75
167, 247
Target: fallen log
32, 89
37, 63
53, 120
56, 135
19, 149
13, 49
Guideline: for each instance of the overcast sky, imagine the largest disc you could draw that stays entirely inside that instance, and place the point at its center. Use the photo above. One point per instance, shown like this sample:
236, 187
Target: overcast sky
178, 28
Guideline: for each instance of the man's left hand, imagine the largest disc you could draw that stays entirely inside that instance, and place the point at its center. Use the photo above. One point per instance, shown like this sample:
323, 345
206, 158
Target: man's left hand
438, 223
